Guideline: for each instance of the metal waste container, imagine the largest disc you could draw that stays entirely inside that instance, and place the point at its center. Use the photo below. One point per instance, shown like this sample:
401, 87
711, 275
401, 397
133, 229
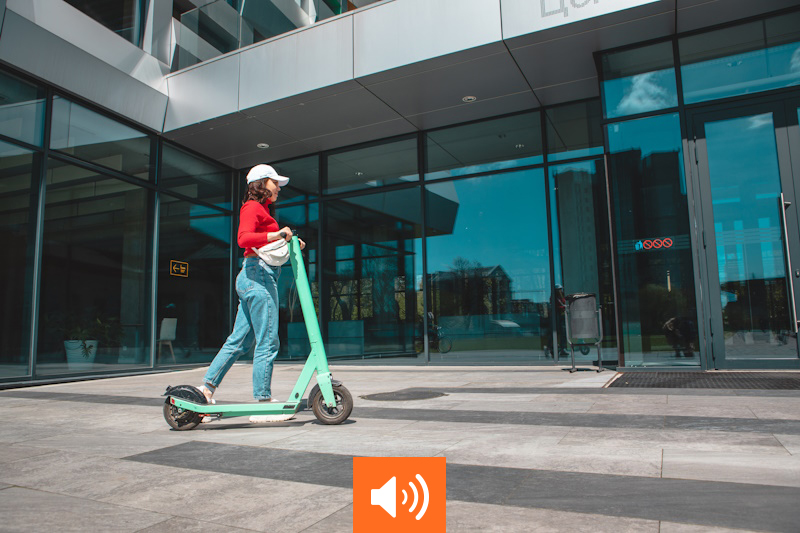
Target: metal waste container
584, 323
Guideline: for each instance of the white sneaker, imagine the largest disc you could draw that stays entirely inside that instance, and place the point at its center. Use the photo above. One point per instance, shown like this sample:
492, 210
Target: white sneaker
271, 400
208, 393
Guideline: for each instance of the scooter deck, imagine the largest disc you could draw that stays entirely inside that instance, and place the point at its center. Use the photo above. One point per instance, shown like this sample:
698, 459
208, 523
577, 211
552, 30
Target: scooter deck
236, 409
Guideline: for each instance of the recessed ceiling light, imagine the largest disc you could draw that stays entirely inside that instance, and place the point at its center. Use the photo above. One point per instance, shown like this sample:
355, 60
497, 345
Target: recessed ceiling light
262, 145
469, 99
359, 173
520, 146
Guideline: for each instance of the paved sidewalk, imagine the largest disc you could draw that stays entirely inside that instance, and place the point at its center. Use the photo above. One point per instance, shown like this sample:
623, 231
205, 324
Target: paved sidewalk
528, 449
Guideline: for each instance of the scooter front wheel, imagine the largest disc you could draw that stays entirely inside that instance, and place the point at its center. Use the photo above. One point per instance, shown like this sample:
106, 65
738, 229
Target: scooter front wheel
180, 419
333, 415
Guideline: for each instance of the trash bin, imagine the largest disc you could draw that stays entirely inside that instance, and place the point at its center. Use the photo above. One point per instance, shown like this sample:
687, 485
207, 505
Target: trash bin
584, 323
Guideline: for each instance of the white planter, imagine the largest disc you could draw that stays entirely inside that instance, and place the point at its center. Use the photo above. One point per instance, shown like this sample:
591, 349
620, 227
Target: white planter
75, 356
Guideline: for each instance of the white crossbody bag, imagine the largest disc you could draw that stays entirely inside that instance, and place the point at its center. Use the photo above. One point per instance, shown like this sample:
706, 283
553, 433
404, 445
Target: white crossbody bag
274, 253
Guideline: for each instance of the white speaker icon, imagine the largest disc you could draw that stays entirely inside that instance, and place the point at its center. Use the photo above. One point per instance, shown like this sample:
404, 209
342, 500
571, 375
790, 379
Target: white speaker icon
386, 497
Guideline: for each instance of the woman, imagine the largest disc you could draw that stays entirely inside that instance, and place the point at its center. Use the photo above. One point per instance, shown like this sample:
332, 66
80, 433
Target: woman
257, 287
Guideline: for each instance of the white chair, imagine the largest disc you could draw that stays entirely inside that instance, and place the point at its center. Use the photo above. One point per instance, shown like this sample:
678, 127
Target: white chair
166, 334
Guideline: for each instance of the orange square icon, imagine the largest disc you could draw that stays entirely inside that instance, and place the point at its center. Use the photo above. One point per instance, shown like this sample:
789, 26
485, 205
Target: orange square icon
405, 494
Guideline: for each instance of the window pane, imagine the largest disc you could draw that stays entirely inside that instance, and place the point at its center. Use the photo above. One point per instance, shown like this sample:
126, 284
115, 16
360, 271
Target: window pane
194, 177
193, 282
304, 179
95, 275
98, 139
304, 219
744, 59
21, 110
484, 146
123, 18
17, 205
582, 248
489, 268
366, 168
656, 284
639, 80
574, 130
373, 266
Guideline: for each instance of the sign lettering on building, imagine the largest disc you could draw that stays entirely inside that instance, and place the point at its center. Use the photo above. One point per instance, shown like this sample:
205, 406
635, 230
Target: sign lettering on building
528, 16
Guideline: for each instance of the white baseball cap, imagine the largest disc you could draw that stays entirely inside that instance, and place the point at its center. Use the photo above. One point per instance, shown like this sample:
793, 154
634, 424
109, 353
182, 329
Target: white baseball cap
259, 172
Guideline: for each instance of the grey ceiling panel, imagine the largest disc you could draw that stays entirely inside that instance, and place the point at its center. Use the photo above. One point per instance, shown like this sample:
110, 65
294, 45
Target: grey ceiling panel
360, 135
693, 15
202, 93
323, 116
487, 77
567, 92
302, 61
481, 109
290, 101
234, 138
270, 155
434, 63
398, 33
571, 58
199, 127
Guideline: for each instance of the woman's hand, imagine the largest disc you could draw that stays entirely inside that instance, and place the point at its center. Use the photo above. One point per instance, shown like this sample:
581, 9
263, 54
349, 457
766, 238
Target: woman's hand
302, 243
286, 233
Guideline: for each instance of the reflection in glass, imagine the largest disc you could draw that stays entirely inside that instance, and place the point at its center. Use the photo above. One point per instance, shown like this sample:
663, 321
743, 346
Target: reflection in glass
657, 308
639, 80
98, 139
489, 268
303, 177
95, 275
365, 168
748, 228
197, 178
574, 130
304, 221
484, 146
193, 304
21, 110
582, 248
749, 58
125, 18
17, 205
371, 297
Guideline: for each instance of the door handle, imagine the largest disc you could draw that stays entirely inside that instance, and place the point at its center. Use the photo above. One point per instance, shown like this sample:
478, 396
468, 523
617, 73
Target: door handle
783, 205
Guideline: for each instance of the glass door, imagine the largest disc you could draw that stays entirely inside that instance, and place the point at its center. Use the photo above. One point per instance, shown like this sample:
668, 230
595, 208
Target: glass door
749, 235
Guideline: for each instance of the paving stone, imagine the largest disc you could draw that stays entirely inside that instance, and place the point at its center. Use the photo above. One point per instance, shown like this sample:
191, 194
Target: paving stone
733, 467
27, 510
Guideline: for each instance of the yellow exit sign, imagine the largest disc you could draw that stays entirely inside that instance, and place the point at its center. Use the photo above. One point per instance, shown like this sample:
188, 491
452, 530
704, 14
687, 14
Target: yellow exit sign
179, 268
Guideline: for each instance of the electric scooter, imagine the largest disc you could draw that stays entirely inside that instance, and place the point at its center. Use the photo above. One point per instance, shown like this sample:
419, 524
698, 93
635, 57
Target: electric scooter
331, 402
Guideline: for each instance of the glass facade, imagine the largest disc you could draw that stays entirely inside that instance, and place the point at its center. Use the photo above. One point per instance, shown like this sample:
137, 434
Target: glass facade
93, 300
489, 268
657, 309
125, 17
459, 245
79, 229
639, 80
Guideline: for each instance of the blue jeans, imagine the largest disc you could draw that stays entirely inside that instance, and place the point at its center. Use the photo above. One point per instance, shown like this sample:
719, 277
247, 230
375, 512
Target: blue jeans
256, 322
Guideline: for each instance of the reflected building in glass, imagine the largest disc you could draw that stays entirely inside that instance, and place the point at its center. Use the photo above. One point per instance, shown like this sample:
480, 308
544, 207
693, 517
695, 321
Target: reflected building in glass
455, 194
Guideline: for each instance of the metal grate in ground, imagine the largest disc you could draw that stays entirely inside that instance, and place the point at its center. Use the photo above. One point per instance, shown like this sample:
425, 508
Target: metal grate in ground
709, 380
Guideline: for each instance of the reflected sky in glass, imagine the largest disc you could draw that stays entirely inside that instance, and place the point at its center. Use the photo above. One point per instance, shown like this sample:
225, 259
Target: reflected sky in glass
496, 221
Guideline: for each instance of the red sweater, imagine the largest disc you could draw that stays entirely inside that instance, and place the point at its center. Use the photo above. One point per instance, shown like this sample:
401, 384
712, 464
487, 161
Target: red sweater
254, 223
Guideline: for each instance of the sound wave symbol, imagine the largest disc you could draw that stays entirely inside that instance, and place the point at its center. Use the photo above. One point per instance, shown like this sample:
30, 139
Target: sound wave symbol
416, 498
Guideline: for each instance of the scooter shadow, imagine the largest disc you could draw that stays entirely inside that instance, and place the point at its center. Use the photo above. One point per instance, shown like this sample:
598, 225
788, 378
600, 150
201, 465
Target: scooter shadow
216, 426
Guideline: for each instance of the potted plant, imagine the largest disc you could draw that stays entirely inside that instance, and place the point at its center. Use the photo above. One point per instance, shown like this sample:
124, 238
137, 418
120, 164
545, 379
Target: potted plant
80, 346
108, 331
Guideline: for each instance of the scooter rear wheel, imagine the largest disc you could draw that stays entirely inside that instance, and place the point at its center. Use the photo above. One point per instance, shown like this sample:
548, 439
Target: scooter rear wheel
333, 415
180, 419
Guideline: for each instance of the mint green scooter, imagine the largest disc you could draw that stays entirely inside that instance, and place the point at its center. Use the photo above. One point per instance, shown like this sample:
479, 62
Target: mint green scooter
331, 402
